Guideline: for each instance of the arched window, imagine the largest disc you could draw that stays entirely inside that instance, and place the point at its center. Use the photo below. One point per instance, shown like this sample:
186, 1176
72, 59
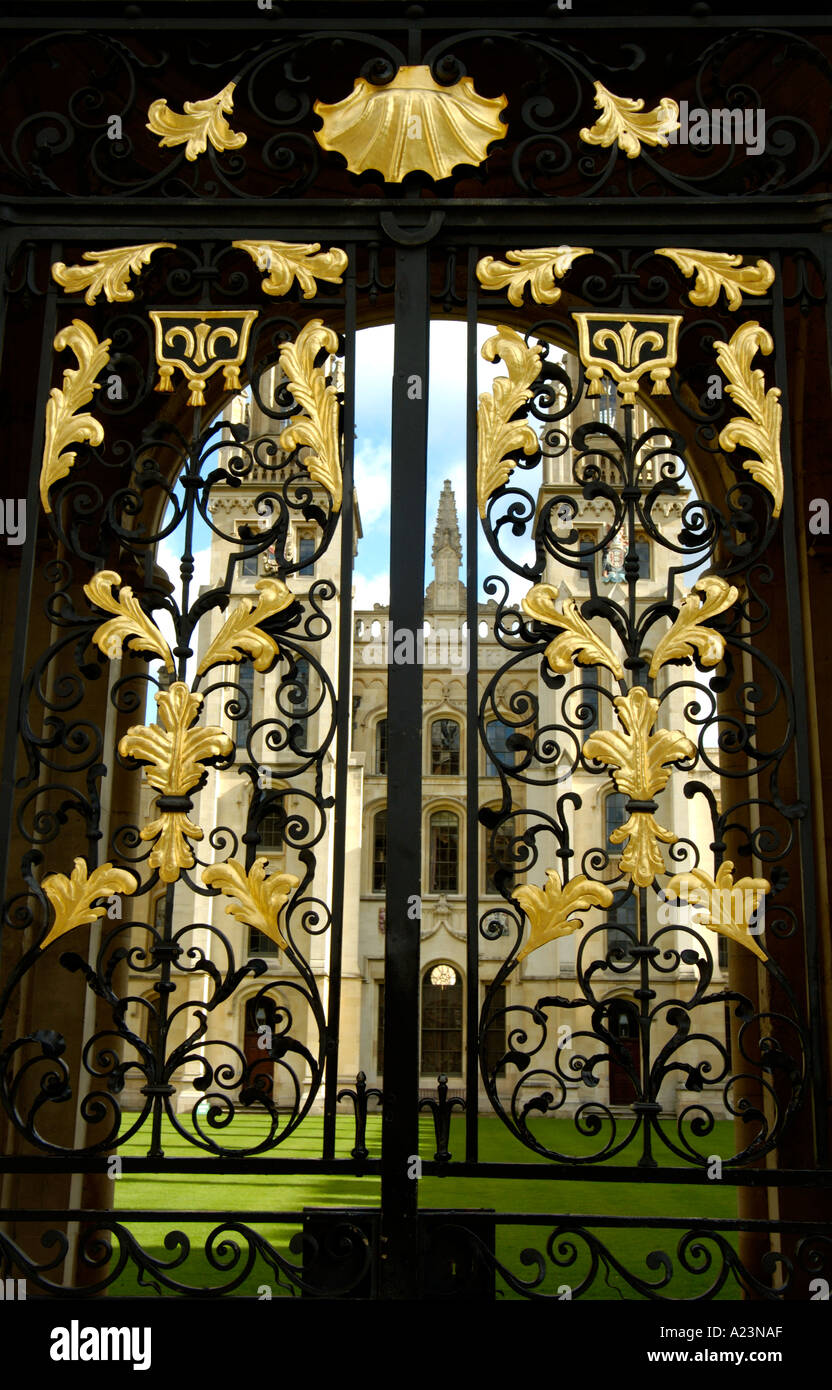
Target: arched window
261, 945
306, 549
270, 831
614, 815
444, 853
444, 747
381, 748
624, 915
497, 735
497, 856
245, 678
441, 1021
298, 701
586, 678
248, 566
608, 403
379, 868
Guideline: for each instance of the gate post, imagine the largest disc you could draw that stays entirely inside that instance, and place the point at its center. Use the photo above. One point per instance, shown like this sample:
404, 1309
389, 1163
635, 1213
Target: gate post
400, 1141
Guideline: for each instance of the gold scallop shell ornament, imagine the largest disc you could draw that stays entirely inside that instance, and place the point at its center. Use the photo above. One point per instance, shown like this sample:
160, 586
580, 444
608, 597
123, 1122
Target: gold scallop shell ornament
411, 123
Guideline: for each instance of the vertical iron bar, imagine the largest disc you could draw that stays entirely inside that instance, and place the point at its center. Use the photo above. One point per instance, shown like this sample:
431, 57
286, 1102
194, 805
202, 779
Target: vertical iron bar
789, 522
824, 256
345, 641
168, 953
472, 793
644, 994
408, 497
6, 258
164, 990
191, 485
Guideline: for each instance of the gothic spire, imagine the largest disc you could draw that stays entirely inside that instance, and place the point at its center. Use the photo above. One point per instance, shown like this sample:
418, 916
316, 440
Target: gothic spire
446, 592
446, 532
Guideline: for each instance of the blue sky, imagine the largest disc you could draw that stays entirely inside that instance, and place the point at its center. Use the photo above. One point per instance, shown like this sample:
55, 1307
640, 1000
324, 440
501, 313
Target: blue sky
446, 453
446, 459
446, 444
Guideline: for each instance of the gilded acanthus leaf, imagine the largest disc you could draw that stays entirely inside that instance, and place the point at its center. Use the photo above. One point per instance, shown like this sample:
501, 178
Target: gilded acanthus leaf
240, 633
72, 897
258, 899
131, 622
302, 261
176, 754
747, 389
549, 908
577, 642
688, 631
536, 267
620, 122
63, 425
108, 272
202, 121
638, 761
720, 270
728, 905
498, 434
317, 427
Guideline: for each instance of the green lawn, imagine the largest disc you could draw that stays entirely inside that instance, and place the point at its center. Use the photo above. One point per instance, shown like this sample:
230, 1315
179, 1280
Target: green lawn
228, 1194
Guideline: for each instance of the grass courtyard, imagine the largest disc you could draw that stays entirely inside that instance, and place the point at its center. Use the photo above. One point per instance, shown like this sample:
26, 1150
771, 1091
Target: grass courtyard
228, 1194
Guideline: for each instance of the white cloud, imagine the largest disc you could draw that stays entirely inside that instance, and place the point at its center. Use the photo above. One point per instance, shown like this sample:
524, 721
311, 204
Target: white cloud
374, 371
372, 480
371, 589
169, 559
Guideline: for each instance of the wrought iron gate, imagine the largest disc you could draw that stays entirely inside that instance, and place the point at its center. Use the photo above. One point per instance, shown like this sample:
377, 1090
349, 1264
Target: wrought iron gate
633, 445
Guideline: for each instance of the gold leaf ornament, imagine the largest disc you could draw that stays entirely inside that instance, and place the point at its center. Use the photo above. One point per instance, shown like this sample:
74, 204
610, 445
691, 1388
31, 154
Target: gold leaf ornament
626, 346
624, 122
577, 642
720, 270
747, 389
64, 426
202, 121
302, 261
131, 624
108, 272
240, 633
537, 268
317, 427
72, 898
498, 433
211, 340
411, 123
638, 761
710, 595
728, 904
549, 909
258, 899
176, 754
